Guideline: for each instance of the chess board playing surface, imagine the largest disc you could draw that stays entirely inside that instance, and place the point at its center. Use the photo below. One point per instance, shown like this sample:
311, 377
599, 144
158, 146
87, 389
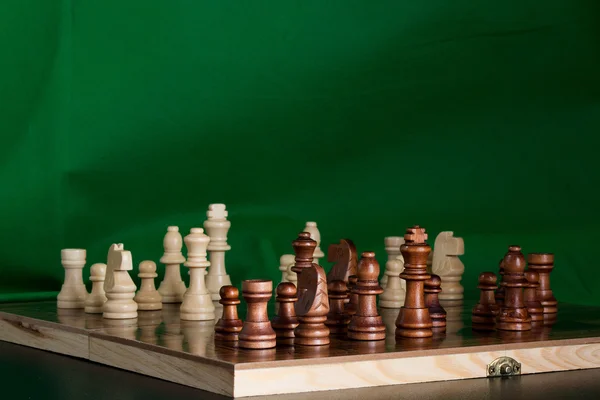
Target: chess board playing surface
159, 344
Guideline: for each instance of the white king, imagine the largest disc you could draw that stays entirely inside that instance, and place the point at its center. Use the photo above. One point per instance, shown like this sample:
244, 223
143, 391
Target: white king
217, 226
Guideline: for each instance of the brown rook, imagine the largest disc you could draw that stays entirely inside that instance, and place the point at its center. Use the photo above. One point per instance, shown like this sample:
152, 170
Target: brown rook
285, 321
433, 286
534, 307
414, 320
257, 332
367, 324
513, 314
229, 326
543, 264
484, 313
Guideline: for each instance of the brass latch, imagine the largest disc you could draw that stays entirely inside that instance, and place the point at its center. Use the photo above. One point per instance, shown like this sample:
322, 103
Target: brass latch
503, 366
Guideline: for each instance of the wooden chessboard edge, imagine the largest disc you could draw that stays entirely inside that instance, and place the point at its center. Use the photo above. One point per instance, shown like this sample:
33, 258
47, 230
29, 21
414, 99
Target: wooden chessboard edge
472, 349
32, 322
168, 367
45, 337
385, 372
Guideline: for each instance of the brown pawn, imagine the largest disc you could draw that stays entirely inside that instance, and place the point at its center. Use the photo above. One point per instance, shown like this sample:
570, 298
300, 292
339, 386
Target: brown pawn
433, 286
414, 320
312, 306
534, 306
543, 264
257, 332
484, 313
229, 325
350, 306
499, 295
367, 324
337, 318
513, 314
285, 321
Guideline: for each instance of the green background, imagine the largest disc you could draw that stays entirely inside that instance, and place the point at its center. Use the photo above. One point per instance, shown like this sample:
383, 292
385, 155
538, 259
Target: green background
122, 117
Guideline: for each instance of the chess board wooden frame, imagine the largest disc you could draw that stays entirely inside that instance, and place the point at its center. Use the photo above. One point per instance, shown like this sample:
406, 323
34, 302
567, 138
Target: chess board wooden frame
193, 359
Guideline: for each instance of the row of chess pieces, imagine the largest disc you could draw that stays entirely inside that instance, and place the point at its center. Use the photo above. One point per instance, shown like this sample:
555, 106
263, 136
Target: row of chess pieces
344, 303
522, 299
115, 295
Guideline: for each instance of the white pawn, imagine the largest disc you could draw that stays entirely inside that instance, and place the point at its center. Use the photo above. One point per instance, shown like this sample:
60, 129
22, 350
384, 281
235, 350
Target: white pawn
197, 303
73, 292
148, 298
393, 295
172, 287
118, 285
392, 248
95, 301
311, 227
217, 226
449, 267
285, 263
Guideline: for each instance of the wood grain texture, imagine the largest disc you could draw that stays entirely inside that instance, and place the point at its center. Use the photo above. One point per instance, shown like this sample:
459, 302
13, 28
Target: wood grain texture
161, 345
43, 335
372, 373
169, 367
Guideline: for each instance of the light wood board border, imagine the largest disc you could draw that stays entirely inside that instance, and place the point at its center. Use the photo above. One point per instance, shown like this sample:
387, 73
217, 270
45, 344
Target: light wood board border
296, 376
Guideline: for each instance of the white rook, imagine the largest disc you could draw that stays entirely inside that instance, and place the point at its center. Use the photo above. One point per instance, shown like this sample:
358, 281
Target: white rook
73, 292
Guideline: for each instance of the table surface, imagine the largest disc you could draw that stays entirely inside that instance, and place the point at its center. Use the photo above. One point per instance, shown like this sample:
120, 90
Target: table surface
28, 373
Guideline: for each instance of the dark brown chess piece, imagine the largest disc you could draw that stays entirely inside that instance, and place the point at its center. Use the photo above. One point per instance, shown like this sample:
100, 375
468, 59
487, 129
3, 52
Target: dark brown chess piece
345, 258
257, 332
484, 313
228, 327
414, 320
499, 295
433, 286
350, 306
534, 306
543, 264
367, 324
313, 302
285, 321
337, 318
513, 314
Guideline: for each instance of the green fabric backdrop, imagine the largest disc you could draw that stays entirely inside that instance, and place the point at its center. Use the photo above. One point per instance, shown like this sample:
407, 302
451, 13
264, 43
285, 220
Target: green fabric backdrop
122, 117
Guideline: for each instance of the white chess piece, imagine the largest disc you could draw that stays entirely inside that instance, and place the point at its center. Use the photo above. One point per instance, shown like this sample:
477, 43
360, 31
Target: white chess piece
197, 303
392, 248
393, 295
148, 298
172, 287
73, 292
315, 234
285, 263
449, 267
118, 285
292, 276
96, 299
216, 227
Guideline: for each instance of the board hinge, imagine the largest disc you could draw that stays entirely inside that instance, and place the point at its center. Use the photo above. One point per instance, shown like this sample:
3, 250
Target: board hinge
503, 366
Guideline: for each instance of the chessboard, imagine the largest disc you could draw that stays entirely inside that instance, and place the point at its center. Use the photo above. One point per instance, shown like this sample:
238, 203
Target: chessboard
316, 330
159, 344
